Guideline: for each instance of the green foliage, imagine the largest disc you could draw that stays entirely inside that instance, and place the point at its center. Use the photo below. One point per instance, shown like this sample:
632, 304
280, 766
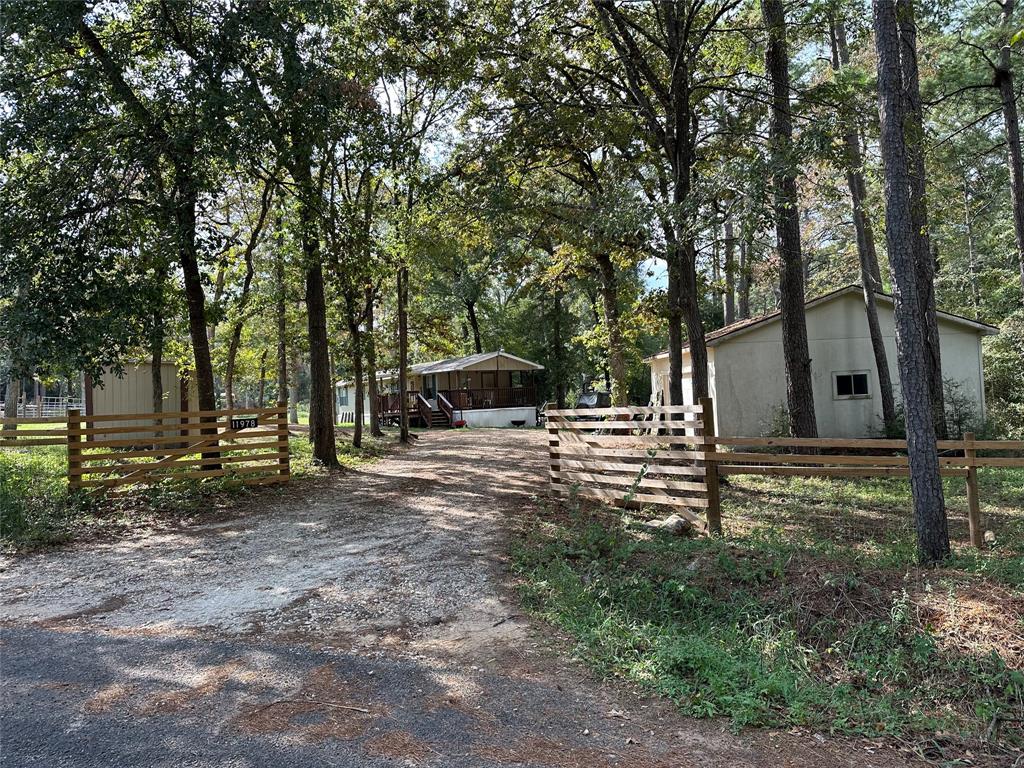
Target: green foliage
768, 630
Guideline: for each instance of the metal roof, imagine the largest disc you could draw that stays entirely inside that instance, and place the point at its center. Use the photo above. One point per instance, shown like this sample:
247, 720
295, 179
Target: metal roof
461, 363
713, 338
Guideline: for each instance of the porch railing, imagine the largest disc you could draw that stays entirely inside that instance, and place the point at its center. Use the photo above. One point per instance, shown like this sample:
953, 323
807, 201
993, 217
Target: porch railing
490, 397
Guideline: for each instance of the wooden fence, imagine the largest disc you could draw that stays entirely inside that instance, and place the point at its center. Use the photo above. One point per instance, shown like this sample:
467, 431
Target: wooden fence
641, 451
620, 456
110, 451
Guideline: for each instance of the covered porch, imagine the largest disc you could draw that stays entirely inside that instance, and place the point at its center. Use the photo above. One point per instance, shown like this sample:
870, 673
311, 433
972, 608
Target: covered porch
492, 389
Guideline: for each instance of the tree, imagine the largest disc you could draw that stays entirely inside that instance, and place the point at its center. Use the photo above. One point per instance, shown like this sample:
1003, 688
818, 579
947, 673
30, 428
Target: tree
925, 480
870, 273
924, 255
799, 389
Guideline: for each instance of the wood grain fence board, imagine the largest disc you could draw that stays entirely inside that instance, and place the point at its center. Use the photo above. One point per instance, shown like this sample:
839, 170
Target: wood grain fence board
148, 479
620, 426
32, 420
654, 469
646, 410
270, 460
618, 496
182, 451
190, 427
647, 482
31, 443
764, 469
175, 440
94, 418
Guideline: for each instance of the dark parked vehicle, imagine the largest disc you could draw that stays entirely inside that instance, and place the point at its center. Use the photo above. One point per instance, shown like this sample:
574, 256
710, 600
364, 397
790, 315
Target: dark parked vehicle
593, 400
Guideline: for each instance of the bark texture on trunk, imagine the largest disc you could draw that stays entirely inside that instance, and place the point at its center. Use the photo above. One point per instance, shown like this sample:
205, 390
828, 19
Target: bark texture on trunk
186, 199
924, 261
293, 388
283, 395
616, 351
1011, 123
474, 324
356, 340
11, 399
403, 352
371, 363
870, 274
730, 271
321, 390
558, 349
261, 393
156, 364
746, 256
799, 390
925, 481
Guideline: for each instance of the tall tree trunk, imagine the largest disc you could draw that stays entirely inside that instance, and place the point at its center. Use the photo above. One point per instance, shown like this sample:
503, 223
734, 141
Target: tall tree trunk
616, 351
913, 127
356, 337
690, 301
11, 401
746, 256
403, 352
972, 257
156, 351
236, 337
730, 271
558, 349
243, 298
474, 324
925, 481
1011, 125
870, 274
261, 394
186, 199
370, 295
282, 319
293, 387
799, 388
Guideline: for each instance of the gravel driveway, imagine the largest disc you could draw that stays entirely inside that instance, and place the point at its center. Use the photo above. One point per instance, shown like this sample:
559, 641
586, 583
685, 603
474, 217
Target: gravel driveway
359, 620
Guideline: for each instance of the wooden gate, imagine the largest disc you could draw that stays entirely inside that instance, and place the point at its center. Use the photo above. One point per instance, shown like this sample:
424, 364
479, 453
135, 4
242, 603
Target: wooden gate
248, 444
637, 456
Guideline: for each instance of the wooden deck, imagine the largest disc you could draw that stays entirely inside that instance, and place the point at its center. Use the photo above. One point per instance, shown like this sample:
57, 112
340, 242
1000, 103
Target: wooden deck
450, 402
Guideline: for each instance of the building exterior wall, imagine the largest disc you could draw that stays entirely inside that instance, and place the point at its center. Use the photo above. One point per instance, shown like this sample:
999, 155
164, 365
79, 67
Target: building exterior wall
748, 377
133, 392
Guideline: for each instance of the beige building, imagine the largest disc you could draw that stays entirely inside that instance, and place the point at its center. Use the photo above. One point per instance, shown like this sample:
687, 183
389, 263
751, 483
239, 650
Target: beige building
747, 376
132, 392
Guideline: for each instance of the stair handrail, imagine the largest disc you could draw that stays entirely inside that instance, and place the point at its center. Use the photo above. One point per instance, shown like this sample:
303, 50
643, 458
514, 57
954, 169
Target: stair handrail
424, 408
446, 408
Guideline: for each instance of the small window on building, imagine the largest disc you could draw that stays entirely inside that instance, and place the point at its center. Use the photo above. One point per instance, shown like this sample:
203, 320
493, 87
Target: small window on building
847, 385
344, 396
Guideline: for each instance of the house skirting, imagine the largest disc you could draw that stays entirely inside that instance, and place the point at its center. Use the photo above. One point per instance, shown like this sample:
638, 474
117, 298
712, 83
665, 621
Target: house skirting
498, 417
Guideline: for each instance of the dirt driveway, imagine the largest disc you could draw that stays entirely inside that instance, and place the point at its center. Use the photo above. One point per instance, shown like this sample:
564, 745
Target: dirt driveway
361, 620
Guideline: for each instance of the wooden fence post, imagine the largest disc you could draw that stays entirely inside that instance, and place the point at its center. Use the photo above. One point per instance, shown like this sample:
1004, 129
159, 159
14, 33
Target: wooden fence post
74, 451
973, 503
714, 514
283, 460
554, 464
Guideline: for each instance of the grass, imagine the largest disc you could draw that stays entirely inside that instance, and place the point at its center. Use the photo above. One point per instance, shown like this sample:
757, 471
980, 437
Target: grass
37, 509
809, 612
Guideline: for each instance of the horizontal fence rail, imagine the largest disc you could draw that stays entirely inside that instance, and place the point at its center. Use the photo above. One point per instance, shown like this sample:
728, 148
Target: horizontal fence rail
670, 455
250, 445
619, 456
117, 450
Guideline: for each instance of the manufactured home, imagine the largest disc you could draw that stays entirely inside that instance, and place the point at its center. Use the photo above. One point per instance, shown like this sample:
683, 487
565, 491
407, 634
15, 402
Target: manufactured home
490, 389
